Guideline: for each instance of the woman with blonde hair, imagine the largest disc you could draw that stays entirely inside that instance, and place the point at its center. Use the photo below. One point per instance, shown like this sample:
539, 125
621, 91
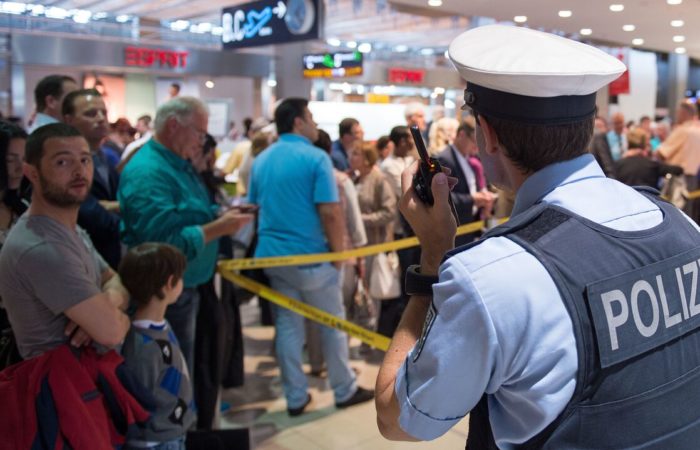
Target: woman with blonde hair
442, 133
260, 141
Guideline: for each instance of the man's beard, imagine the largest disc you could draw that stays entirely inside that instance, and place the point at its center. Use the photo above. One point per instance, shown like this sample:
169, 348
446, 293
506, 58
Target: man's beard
59, 196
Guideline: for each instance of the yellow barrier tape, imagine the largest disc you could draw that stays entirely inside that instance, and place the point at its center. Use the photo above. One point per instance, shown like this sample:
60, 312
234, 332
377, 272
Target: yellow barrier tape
693, 195
317, 315
299, 260
371, 338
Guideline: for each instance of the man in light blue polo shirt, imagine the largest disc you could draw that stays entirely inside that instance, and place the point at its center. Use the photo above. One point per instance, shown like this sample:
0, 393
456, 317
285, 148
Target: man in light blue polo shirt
293, 183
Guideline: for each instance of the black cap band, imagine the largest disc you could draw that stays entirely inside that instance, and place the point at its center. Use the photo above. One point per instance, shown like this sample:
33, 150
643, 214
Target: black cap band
531, 110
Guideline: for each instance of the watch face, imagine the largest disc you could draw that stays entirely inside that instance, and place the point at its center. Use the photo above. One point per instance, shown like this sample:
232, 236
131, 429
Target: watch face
300, 16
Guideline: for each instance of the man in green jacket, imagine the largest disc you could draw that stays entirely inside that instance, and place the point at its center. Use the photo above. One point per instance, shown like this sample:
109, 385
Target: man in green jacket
163, 200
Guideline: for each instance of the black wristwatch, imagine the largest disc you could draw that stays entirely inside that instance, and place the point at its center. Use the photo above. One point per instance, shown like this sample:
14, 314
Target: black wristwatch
418, 283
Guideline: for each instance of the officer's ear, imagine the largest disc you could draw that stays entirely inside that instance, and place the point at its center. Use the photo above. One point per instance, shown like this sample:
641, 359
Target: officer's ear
492, 145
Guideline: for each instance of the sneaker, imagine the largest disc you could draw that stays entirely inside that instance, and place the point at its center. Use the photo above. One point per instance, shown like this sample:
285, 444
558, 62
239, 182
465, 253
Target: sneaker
360, 395
293, 412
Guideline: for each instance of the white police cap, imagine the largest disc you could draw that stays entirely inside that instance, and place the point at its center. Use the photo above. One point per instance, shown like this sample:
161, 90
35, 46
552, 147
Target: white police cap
525, 75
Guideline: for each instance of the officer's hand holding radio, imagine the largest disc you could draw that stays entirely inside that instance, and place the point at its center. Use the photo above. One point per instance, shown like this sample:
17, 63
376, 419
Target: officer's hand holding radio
427, 206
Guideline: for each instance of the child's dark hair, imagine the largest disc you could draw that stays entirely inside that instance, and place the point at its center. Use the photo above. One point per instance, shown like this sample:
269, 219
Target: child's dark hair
146, 268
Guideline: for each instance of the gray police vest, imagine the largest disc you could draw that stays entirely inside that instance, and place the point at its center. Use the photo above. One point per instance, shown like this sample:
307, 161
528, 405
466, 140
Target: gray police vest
633, 301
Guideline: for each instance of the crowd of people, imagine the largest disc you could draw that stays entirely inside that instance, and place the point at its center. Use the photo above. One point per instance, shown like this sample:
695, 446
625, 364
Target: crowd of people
110, 235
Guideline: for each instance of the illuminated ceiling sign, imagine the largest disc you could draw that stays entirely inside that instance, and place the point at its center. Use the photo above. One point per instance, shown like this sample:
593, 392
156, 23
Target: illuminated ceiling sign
406, 76
149, 57
268, 22
333, 65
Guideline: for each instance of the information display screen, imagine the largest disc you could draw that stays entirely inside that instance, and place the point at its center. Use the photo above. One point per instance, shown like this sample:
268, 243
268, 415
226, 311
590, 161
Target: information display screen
333, 65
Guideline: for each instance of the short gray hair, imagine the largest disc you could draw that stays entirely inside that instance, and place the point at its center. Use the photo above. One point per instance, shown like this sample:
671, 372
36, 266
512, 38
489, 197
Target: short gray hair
413, 108
181, 108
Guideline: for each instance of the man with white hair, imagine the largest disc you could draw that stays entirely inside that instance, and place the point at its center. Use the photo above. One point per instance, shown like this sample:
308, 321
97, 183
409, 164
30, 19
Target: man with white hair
415, 116
163, 200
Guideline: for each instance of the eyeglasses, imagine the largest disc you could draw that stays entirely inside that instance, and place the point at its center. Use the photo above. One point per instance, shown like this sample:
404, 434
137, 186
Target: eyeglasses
202, 134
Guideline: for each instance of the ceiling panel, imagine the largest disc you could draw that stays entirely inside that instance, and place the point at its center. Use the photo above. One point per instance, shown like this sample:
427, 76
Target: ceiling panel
651, 18
413, 23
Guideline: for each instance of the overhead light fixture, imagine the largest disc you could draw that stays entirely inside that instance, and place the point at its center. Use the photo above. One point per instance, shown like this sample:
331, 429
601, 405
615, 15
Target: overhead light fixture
677, 23
205, 27
678, 38
674, 2
13, 8
565, 13
629, 27
520, 19
439, 90
180, 25
401, 48
586, 31
37, 10
122, 18
365, 47
351, 44
435, 3
333, 42
209, 84
616, 7
427, 51
56, 13
80, 16
637, 41
680, 50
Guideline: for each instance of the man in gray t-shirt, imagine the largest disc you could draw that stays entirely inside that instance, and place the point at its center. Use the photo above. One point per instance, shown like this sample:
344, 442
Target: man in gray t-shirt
53, 283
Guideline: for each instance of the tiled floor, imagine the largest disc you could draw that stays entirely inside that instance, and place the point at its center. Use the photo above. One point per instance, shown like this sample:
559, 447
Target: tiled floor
259, 405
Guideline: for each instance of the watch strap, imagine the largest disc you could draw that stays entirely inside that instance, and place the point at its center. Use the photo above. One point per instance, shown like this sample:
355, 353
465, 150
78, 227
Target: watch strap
417, 283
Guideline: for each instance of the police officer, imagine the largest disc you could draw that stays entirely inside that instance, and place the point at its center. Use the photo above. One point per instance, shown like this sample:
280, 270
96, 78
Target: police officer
570, 326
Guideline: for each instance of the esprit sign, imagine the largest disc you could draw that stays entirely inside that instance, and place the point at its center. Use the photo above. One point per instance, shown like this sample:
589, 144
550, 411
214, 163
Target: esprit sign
149, 57
408, 76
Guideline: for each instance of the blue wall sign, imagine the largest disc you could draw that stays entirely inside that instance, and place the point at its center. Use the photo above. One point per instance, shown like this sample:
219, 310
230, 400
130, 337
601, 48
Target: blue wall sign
268, 22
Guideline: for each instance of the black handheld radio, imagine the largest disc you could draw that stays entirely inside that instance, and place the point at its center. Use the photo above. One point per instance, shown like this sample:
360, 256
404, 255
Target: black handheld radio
427, 168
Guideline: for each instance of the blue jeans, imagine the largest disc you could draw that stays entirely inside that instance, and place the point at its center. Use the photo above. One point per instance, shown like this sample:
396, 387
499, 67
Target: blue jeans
317, 286
175, 444
182, 316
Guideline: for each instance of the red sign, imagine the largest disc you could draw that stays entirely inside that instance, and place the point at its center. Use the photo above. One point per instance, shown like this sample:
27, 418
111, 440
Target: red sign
148, 57
622, 84
409, 76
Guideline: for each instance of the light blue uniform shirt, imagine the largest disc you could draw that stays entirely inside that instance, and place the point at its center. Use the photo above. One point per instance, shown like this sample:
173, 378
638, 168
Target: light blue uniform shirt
288, 180
501, 326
